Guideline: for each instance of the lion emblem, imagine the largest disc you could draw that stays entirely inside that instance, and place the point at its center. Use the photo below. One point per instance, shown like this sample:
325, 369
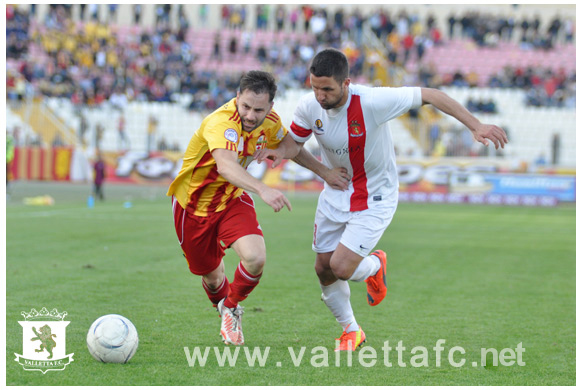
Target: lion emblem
46, 340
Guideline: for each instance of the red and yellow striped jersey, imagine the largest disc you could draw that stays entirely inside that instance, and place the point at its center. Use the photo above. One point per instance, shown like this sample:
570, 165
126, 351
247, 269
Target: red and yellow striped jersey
198, 187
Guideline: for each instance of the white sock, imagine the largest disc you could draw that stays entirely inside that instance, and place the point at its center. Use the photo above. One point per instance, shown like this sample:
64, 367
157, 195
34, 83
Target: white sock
368, 266
336, 297
353, 327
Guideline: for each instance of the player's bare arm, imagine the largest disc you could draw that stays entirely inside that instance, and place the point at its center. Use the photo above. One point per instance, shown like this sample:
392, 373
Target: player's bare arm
228, 167
481, 132
287, 149
337, 178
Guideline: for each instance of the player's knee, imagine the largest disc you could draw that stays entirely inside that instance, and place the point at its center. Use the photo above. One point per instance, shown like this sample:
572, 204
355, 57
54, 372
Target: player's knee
321, 269
254, 263
214, 281
325, 274
340, 270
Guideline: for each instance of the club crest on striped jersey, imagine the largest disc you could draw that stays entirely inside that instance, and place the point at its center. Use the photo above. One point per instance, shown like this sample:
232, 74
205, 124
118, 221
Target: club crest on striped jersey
261, 142
319, 127
355, 129
231, 135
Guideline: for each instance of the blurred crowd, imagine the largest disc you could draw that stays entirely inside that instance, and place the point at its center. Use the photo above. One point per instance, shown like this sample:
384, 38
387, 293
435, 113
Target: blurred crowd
545, 87
488, 30
88, 62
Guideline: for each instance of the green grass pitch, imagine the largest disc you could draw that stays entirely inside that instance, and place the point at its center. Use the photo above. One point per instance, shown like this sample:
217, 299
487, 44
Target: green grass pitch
476, 276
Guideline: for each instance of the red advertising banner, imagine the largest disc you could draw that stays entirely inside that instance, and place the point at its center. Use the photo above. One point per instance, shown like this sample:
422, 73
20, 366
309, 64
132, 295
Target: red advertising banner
41, 164
427, 180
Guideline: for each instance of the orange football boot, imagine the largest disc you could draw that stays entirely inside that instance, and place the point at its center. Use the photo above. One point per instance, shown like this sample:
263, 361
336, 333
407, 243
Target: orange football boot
377, 284
350, 341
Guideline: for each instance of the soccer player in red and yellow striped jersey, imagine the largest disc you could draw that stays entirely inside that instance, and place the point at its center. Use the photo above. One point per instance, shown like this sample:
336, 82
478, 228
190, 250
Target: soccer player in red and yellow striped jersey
212, 210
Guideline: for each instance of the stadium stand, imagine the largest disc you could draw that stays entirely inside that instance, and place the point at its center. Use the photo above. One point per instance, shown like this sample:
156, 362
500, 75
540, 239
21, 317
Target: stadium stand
536, 98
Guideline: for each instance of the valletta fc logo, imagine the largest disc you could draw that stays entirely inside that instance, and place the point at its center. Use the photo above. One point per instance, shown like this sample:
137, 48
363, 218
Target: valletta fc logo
43, 341
355, 129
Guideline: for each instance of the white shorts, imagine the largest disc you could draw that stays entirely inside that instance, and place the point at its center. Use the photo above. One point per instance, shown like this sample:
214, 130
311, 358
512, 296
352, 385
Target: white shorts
359, 231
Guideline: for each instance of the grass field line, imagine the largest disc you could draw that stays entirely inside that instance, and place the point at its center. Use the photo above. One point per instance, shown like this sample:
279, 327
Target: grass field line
78, 212
44, 213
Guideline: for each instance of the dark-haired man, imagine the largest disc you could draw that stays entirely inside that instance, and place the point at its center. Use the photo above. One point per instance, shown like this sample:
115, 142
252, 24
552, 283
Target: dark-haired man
350, 123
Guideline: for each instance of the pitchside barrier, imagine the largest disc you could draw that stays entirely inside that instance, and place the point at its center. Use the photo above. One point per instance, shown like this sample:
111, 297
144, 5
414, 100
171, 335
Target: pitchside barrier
450, 180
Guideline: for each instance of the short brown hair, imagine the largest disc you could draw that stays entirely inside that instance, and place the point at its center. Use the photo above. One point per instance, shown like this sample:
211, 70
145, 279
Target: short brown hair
258, 81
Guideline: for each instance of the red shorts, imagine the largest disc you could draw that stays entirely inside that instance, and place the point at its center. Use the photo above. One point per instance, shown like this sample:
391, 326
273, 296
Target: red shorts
204, 239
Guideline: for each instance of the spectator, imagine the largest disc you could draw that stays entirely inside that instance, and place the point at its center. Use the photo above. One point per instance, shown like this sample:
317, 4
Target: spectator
94, 12
162, 145
137, 10
471, 105
233, 46
113, 12
203, 14
556, 149
280, 17
98, 177
294, 17
318, 25
99, 132
217, 52
183, 23
123, 138
451, 25
540, 161
261, 53
569, 28
83, 127
307, 15
57, 141
151, 131
434, 134
242, 17
246, 41
235, 18
118, 99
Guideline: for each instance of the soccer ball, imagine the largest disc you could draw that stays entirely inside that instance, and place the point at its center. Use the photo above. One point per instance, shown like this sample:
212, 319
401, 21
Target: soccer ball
112, 339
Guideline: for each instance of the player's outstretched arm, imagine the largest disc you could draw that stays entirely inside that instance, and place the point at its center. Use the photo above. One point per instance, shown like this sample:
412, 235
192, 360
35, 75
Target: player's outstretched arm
337, 178
287, 149
228, 167
481, 132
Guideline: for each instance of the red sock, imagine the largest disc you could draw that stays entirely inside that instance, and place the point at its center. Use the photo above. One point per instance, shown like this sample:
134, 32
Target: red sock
243, 284
218, 294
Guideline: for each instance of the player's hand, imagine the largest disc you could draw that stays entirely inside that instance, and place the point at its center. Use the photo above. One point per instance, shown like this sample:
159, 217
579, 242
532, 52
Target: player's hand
275, 199
273, 154
337, 178
484, 132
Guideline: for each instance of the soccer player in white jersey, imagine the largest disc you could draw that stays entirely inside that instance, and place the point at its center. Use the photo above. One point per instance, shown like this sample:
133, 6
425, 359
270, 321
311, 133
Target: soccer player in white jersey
361, 184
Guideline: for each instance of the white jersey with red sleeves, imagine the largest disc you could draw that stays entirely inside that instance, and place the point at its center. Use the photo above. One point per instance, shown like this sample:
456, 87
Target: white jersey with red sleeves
356, 136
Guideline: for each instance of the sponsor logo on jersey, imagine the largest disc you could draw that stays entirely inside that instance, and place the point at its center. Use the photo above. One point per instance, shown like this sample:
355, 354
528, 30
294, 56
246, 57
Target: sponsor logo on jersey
241, 145
231, 135
280, 134
342, 151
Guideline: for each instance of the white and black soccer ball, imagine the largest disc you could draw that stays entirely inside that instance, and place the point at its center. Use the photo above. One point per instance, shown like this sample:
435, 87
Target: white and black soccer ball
112, 339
